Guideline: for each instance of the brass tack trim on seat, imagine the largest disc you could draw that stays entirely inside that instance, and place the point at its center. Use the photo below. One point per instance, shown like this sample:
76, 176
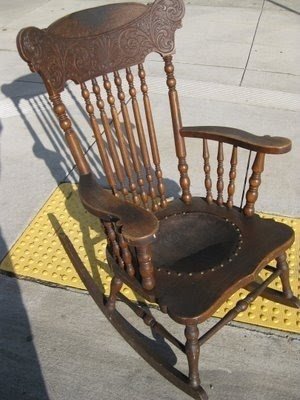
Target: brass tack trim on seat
214, 268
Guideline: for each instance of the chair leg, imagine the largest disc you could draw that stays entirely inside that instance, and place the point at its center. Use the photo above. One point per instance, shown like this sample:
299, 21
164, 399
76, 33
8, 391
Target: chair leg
282, 265
192, 348
115, 287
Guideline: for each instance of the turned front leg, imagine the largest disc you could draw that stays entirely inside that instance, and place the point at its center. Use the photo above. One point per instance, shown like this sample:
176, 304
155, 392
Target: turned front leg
192, 349
282, 265
115, 287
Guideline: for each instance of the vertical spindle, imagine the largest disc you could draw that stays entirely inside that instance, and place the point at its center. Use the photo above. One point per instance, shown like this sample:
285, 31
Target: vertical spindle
152, 137
232, 176
99, 140
110, 232
142, 139
206, 167
126, 255
131, 140
110, 140
220, 172
120, 137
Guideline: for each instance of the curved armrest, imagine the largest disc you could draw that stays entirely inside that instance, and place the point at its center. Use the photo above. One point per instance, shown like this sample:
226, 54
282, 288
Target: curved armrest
237, 137
139, 226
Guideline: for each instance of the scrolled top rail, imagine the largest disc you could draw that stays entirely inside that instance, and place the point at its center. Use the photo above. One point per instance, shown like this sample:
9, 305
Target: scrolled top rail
79, 46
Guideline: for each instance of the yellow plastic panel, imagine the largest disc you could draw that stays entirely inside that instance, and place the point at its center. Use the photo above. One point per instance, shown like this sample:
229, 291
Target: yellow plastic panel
38, 254
264, 312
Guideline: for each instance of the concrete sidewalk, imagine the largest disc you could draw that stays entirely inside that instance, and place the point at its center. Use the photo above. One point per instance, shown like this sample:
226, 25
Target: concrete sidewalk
56, 345
237, 65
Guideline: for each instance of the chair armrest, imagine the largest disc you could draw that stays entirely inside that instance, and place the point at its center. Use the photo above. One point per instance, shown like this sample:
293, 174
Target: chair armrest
139, 226
237, 137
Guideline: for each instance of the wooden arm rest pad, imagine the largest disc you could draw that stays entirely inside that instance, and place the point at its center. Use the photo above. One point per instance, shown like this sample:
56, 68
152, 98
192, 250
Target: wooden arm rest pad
237, 137
139, 226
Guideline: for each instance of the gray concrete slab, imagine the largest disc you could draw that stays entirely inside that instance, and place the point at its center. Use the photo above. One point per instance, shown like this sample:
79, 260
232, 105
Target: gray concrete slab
56, 345
197, 72
223, 40
9, 9
213, 47
289, 83
275, 43
227, 3
292, 6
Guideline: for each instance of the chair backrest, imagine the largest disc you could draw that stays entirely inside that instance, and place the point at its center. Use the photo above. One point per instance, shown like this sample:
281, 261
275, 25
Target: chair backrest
107, 42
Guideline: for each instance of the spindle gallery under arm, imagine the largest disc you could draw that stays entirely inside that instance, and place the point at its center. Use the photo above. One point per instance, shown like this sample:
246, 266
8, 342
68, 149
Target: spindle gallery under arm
189, 255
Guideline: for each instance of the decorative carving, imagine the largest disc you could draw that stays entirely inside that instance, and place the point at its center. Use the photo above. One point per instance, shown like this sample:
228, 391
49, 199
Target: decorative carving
59, 58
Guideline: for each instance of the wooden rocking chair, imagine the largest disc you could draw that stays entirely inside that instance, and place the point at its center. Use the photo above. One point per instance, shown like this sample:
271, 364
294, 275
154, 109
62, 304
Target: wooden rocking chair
188, 255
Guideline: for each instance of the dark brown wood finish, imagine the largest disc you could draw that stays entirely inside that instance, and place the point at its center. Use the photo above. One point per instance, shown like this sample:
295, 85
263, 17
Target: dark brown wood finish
77, 53
191, 254
263, 144
192, 348
177, 125
232, 176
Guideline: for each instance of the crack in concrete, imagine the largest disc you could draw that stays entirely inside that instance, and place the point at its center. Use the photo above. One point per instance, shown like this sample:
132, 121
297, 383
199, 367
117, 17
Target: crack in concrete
251, 47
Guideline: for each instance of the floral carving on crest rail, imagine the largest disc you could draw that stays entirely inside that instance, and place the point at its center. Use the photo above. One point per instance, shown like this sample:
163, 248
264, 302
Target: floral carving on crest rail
59, 59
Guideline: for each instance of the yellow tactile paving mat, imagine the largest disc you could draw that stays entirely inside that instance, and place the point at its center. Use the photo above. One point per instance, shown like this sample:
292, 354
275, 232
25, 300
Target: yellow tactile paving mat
39, 255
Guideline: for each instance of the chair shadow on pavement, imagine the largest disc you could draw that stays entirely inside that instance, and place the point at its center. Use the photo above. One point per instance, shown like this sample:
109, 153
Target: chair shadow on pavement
20, 371
46, 133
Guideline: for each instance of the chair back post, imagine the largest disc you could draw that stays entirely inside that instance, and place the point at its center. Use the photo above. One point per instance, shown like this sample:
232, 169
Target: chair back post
70, 135
177, 125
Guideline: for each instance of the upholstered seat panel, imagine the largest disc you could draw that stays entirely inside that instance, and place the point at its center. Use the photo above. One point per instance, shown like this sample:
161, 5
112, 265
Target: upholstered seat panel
193, 242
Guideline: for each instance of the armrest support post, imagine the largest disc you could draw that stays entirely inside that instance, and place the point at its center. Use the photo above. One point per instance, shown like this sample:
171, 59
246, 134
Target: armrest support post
146, 266
254, 183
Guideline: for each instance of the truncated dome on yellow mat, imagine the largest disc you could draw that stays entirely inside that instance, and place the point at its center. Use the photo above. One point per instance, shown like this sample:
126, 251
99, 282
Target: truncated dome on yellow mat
38, 254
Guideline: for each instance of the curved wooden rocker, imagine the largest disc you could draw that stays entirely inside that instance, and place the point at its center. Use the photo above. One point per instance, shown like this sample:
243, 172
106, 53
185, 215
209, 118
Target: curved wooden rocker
188, 255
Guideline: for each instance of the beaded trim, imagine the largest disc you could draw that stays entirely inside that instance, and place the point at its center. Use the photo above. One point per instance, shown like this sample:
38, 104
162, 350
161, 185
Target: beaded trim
214, 268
